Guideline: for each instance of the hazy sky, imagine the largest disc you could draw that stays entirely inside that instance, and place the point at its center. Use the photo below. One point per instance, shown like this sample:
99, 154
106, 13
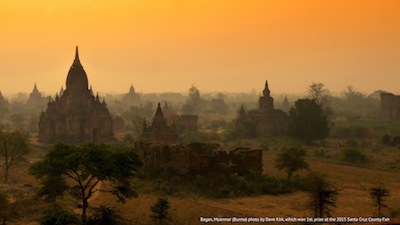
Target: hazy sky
217, 45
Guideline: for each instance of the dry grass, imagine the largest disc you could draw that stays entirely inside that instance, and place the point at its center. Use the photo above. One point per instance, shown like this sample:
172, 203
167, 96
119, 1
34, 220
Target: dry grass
352, 182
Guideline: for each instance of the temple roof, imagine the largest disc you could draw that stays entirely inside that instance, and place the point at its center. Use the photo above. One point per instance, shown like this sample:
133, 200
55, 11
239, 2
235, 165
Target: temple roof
77, 78
158, 119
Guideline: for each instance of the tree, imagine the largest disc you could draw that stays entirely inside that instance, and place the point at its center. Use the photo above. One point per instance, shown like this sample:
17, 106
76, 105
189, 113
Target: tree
354, 98
291, 159
352, 94
13, 147
322, 196
194, 96
322, 97
17, 120
378, 195
193, 102
316, 93
159, 212
81, 169
137, 125
307, 121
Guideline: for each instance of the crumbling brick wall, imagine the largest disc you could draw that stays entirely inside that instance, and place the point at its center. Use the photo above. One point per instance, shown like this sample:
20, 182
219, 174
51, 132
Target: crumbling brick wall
200, 158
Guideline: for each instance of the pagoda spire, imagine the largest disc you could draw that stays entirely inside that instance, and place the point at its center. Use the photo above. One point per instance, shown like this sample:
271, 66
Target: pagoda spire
76, 60
266, 91
241, 111
158, 119
131, 89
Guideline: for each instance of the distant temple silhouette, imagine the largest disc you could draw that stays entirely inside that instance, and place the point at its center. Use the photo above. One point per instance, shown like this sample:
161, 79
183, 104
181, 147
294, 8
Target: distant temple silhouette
131, 98
266, 120
390, 107
159, 131
76, 116
36, 101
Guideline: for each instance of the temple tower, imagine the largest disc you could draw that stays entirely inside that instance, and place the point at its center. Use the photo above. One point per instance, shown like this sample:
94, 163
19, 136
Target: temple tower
266, 102
76, 116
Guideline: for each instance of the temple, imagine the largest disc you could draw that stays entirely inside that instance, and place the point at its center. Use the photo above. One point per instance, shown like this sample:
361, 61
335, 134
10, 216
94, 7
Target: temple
36, 101
266, 120
390, 107
159, 131
76, 116
4, 105
131, 98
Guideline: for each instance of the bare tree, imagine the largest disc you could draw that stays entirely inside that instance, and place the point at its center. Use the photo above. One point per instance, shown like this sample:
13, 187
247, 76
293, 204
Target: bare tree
317, 93
13, 147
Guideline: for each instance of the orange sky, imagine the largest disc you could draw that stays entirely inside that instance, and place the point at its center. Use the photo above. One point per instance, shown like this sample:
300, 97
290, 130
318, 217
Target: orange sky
217, 45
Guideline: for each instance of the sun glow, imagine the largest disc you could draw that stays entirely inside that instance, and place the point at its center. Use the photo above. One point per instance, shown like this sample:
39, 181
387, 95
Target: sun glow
168, 45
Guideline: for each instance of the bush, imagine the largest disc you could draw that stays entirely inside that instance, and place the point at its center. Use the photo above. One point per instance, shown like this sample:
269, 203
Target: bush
362, 132
352, 143
291, 159
106, 216
342, 132
321, 153
235, 185
59, 217
216, 185
159, 212
353, 155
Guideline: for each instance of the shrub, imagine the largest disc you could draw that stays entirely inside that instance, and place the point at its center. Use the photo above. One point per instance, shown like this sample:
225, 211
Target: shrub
353, 155
291, 159
352, 143
59, 217
342, 132
362, 132
106, 216
159, 212
320, 153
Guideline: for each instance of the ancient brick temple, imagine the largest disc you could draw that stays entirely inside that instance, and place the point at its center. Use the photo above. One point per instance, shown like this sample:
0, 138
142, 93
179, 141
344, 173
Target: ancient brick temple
390, 107
159, 131
77, 116
265, 120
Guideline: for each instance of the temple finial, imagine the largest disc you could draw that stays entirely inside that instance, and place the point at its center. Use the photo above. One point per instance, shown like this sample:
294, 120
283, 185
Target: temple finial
76, 60
266, 91
132, 89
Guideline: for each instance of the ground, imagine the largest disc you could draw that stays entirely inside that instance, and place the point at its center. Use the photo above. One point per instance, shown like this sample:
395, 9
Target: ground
352, 181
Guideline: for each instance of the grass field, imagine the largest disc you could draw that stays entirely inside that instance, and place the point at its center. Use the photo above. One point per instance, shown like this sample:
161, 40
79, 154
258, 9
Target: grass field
352, 181
353, 200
